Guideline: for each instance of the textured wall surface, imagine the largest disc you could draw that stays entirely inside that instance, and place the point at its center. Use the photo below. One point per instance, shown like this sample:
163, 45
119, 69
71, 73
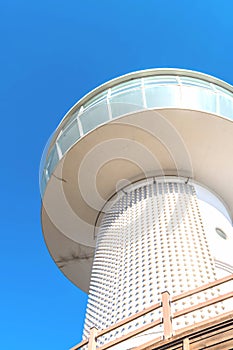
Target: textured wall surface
152, 238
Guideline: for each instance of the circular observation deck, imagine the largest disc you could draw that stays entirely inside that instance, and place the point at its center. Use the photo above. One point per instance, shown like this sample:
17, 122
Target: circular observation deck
158, 122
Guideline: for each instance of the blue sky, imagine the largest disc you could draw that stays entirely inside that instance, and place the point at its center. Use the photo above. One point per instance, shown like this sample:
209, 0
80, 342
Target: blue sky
52, 53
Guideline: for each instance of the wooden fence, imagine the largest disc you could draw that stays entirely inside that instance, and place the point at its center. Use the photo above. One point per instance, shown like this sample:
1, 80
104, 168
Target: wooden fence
166, 320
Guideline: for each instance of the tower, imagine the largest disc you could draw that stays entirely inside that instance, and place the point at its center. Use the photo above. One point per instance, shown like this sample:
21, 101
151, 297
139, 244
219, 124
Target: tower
137, 196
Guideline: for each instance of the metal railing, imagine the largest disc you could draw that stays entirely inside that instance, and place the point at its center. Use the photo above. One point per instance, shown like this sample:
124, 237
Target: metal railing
165, 321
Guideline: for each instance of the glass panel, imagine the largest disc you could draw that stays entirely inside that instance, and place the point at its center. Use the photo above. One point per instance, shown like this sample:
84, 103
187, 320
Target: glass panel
43, 184
226, 106
161, 80
224, 91
162, 96
71, 118
94, 116
198, 98
52, 160
69, 136
126, 102
195, 82
95, 99
134, 83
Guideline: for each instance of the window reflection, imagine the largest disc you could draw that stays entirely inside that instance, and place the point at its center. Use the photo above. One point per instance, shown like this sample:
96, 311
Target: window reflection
162, 96
94, 116
69, 136
197, 98
226, 106
52, 160
126, 102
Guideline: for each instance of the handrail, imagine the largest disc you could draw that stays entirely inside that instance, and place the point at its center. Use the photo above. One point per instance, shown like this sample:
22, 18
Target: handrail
130, 318
131, 334
79, 345
202, 305
166, 320
202, 288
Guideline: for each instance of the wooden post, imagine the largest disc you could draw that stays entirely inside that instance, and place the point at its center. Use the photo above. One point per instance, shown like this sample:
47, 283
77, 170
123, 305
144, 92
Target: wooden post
166, 309
186, 344
92, 339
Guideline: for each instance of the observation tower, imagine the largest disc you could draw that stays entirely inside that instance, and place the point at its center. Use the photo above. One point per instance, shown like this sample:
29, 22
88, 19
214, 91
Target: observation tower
137, 201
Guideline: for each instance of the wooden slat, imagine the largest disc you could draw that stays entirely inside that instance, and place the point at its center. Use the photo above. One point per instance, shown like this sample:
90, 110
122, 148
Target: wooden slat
206, 323
157, 306
129, 319
147, 344
79, 345
194, 333
162, 344
227, 345
213, 339
202, 288
202, 305
130, 334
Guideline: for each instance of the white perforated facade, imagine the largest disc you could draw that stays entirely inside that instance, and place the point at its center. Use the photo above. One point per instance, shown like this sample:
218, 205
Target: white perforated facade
152, 238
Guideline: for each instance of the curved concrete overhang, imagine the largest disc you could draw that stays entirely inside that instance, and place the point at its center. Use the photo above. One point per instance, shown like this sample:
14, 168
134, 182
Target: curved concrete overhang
177, 142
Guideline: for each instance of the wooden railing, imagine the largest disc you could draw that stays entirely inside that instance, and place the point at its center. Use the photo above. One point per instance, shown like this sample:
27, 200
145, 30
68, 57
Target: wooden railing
167, 316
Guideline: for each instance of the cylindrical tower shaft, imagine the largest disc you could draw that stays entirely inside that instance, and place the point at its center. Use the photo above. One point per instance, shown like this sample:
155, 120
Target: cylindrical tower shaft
152, 239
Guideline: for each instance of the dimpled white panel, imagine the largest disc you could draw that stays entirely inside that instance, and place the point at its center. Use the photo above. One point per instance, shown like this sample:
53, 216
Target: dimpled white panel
151, 239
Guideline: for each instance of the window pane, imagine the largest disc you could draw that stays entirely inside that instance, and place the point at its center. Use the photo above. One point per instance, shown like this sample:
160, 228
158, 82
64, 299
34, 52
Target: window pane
134, 83
195, 82
52, 160
224, 91
226, 106
162, 96
94, 116
69, 136
198, 98
96, 99
126, 102
71, 118
43, 183
161, 80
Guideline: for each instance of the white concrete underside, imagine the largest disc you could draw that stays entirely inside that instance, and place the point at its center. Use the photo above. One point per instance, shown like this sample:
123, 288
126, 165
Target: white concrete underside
149, 143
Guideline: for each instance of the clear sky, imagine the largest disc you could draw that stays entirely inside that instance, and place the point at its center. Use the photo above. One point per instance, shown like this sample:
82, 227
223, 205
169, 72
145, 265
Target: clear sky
52, 53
